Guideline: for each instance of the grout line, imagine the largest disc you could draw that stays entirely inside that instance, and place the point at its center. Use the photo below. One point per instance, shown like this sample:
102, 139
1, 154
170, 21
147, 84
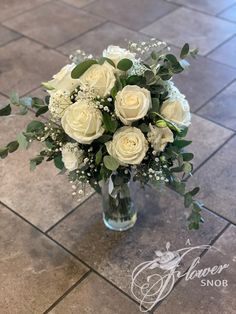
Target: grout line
215, 122
220, 45
26, 11
77, 36
204, 12
216, 94
131, 29
83, 6
68, 291
219, 215
211, 155
200, 255
229, 7
69, 213
11, 40
69, 252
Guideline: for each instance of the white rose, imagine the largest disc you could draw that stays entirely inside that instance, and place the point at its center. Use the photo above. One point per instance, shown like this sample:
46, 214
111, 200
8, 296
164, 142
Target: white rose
72, 156
132, 103
159, 137
128, 146
100, 78
63, 80
177, 110
58, 103
82, 122
115, 53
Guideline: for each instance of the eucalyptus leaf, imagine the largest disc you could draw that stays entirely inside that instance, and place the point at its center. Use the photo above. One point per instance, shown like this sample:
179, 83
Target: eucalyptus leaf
41, 111
187, 199
184, 51
35, 162
110, 163
22, 140
109, 123
5, 111
187, 156
124, 64
104, 59
58, 162
35, 126
3, 152
181, 143
98, 157
81, 68
12, 146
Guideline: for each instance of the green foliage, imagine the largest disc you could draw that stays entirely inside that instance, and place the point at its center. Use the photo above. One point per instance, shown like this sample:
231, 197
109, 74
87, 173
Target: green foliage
98, 157
3, 152
12, 146
110, 124
187, 156
58, 162
184, 51
81, 68
35, 162
35, 126
181, 143
22, 140
104, 138
124, 64
5, 111
110, 163
104, 59
41, 111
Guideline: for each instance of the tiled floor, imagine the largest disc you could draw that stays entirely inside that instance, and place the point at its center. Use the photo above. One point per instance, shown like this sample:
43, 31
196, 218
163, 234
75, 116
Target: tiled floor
56, 255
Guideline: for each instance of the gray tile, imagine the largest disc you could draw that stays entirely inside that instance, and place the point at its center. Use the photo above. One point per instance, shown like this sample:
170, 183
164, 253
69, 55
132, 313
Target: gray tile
3, 101
214, 136
41, 196
217, 179
7, 35
201, 30
134, 14
226, 53
222, 109
54, 23
162, 218
10, 8
25, 64
229, 14
208, 6
92, 294
191, 297
35, 272
96, 40
203, 80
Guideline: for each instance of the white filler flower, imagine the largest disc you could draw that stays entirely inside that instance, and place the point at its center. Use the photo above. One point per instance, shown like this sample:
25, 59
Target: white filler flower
159, 137
72, 156
58, 103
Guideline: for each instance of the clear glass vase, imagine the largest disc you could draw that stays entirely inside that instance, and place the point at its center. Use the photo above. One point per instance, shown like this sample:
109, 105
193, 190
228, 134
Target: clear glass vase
119, 212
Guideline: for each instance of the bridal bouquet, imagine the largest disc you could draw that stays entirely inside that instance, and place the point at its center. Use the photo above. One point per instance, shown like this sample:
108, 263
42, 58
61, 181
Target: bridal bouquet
115, 119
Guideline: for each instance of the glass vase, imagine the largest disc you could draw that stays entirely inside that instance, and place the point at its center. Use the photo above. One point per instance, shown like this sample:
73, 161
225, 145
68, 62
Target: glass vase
119, 212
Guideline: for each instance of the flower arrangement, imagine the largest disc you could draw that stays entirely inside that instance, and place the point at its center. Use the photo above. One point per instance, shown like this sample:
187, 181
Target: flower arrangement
114, 119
